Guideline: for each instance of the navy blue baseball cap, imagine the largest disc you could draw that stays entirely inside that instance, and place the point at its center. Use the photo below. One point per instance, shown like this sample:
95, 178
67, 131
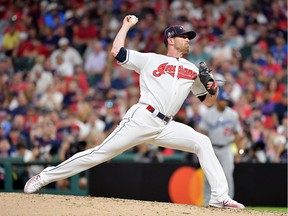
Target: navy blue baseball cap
222, 95
177, 30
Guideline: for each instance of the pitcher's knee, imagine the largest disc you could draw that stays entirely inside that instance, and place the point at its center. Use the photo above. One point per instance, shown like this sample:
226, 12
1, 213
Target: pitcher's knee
204, 145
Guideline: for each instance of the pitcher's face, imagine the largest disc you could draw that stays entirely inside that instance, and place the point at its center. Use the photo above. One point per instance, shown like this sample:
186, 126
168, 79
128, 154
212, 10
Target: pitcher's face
181, 43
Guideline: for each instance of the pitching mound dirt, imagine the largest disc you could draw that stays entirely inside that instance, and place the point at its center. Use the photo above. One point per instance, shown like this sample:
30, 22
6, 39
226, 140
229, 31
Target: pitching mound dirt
44, 204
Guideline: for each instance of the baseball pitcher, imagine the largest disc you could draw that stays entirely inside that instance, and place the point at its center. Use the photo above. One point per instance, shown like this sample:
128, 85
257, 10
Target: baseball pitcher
165, 82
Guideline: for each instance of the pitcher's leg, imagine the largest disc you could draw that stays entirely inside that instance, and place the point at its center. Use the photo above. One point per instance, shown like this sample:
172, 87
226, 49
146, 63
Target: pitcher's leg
135, 128
125, 136
182, 137
121, 139
79, 162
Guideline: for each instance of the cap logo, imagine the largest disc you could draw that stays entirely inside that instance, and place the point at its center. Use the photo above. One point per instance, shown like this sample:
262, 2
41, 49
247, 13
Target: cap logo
182, 28
170, 34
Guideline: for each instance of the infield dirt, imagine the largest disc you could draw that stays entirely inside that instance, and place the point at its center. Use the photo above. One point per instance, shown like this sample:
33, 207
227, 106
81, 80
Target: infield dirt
53, 205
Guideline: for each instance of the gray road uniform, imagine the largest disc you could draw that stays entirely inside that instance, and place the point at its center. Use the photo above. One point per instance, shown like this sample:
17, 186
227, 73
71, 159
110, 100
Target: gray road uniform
165, 82
221, 128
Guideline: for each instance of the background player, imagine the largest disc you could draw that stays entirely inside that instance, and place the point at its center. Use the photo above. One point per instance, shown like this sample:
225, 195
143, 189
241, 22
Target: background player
222, 125
165, 82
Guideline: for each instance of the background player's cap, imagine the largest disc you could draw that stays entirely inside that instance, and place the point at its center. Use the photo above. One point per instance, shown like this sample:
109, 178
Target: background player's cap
176, 30
222, 95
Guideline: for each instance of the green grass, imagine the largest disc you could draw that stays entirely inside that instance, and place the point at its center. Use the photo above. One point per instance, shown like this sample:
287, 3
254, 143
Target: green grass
276, 209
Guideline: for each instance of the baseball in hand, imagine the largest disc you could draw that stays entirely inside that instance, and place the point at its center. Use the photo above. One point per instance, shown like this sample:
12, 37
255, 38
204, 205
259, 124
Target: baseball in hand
133, 19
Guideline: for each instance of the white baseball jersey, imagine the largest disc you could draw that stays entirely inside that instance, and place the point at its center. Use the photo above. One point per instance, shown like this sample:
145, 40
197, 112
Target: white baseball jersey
160, 80
221, 126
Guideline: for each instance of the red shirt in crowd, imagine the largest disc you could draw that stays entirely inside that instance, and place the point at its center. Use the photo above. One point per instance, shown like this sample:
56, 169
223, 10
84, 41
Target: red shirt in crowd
23, 48
85, 30
270, 70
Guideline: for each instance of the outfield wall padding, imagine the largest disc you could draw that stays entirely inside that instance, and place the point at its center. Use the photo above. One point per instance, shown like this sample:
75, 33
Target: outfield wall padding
255, 184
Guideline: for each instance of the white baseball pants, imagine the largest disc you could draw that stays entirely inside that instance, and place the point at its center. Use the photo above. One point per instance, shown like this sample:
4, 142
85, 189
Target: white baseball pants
138, 126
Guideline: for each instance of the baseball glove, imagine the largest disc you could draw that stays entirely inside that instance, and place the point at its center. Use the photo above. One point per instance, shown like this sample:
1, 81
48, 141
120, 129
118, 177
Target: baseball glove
205, 77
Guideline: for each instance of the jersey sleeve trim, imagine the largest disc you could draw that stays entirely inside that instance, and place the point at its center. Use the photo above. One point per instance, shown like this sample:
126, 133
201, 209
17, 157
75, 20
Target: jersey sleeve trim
122, 55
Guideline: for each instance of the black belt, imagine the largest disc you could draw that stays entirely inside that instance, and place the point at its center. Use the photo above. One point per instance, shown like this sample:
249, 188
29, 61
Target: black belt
159, 115
219, 146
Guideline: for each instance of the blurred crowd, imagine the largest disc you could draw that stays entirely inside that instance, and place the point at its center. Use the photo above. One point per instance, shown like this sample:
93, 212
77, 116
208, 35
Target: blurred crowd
62, 92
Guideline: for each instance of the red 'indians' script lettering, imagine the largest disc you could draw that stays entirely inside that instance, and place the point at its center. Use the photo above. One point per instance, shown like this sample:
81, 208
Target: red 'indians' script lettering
183, 73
